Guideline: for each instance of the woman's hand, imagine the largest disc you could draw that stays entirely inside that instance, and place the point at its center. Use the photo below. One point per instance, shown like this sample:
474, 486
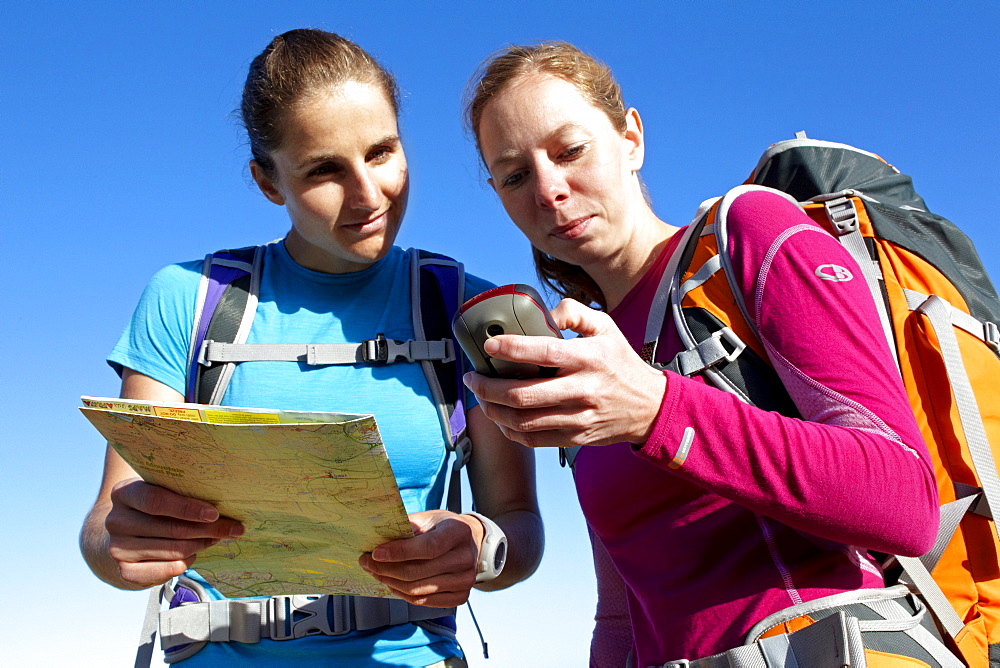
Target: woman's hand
155, 534
137, 535
604, 392
437, 567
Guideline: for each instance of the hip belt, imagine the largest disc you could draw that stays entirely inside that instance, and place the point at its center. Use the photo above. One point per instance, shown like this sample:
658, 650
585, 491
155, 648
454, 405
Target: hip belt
885, 622
192, 620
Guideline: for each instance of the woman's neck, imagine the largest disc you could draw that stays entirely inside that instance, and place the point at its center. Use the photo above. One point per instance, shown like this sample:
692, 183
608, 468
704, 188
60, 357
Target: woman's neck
616, 276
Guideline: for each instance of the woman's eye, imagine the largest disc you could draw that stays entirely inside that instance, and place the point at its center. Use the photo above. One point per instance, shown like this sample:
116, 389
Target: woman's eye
574, 152
380, 154
513, 180
324, 169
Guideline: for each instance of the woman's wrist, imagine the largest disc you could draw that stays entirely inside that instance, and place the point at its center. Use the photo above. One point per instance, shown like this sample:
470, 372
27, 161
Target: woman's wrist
492, 550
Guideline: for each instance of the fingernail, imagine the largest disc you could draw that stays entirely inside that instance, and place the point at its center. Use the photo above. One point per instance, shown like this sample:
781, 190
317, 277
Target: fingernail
236, 530
380, 554
209, 514
491, 346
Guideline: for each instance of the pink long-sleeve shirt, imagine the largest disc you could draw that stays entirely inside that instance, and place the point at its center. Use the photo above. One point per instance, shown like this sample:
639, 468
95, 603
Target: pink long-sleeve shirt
766, 511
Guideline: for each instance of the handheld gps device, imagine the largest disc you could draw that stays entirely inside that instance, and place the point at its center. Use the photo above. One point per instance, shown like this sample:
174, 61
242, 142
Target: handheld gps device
508, 309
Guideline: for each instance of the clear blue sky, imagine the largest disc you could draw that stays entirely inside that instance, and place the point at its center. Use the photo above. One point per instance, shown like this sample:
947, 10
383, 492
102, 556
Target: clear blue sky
121, 156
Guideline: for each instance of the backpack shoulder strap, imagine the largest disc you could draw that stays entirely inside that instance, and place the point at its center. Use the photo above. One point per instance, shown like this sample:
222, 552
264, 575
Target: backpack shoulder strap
224, 308
226, 305
720, 341
437, 289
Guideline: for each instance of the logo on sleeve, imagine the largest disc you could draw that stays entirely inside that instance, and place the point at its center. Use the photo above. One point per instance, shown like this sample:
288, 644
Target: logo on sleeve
833, 272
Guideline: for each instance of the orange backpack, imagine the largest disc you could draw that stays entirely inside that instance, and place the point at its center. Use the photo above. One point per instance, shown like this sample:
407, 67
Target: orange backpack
939, 312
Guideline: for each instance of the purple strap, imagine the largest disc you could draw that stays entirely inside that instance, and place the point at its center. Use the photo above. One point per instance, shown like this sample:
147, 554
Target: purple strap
219, 278
447, 278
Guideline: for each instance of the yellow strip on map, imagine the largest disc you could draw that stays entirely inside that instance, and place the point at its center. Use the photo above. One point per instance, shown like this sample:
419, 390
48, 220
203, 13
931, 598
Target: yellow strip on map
236, 417
189, 414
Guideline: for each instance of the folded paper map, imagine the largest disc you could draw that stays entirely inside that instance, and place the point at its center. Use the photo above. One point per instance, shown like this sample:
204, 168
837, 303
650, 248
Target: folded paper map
313, 490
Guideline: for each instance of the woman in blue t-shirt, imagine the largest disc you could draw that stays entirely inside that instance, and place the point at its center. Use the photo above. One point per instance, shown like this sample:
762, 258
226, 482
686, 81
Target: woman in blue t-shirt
321, 116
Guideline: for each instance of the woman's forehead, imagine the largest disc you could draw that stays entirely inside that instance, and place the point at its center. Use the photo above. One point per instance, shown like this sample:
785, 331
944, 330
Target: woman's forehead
535, 107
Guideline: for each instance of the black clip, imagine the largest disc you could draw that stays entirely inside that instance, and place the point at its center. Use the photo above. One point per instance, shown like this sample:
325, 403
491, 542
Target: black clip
376, 351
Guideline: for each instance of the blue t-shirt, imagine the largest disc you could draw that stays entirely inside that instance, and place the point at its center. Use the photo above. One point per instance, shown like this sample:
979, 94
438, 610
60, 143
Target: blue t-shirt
297, 305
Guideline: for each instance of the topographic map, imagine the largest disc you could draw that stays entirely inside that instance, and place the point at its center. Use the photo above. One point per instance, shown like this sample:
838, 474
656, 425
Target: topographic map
313, 490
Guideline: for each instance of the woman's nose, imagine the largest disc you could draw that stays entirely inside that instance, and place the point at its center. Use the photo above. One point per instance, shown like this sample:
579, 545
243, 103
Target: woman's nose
366, 193
551, 188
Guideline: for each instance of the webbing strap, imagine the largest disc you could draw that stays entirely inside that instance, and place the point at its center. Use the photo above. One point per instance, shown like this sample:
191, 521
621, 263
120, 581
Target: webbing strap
663, 296
844, 217
147, 637
706, 354
315, 354
285, 617
832, 642
938, 313
921, 578
835, 639
459, 456
705, 272
862, 596
958, 317
919, 633
951, 515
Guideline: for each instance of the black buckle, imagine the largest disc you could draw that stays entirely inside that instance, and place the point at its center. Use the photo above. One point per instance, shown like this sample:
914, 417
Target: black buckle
376, 351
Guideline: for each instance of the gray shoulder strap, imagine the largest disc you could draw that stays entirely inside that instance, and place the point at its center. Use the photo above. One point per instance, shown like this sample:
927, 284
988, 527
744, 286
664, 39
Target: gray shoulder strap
844, 218
939, 314
453, 426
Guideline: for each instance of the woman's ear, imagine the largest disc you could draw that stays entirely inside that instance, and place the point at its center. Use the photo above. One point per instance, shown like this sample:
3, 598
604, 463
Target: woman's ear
634, 139
265, 184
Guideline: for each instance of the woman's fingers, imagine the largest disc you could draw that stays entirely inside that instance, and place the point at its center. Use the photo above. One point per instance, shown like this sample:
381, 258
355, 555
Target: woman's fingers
155, 534
604, 393
155, 500
141, 509
136, 548
437, 567
585, 321
442, 591
149, 573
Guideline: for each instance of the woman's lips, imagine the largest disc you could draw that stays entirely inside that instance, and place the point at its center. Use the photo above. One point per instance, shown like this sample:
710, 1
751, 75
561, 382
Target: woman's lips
573, 228
371, 225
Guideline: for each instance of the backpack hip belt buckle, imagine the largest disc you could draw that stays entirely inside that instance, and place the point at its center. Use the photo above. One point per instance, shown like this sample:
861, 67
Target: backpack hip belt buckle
328, 615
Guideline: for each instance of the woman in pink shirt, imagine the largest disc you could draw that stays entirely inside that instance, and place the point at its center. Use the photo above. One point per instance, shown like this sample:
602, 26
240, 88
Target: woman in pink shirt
765, 511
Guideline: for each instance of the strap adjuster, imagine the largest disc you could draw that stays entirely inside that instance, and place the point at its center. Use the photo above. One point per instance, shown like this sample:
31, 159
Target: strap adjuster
991, 334
376, 351
733, 340
381, 350
463, 452
325, 615
842, 214
203, 353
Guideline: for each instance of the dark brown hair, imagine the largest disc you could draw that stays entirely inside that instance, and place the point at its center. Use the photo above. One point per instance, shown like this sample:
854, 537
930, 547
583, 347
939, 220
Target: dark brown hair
294, 66
596, 84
